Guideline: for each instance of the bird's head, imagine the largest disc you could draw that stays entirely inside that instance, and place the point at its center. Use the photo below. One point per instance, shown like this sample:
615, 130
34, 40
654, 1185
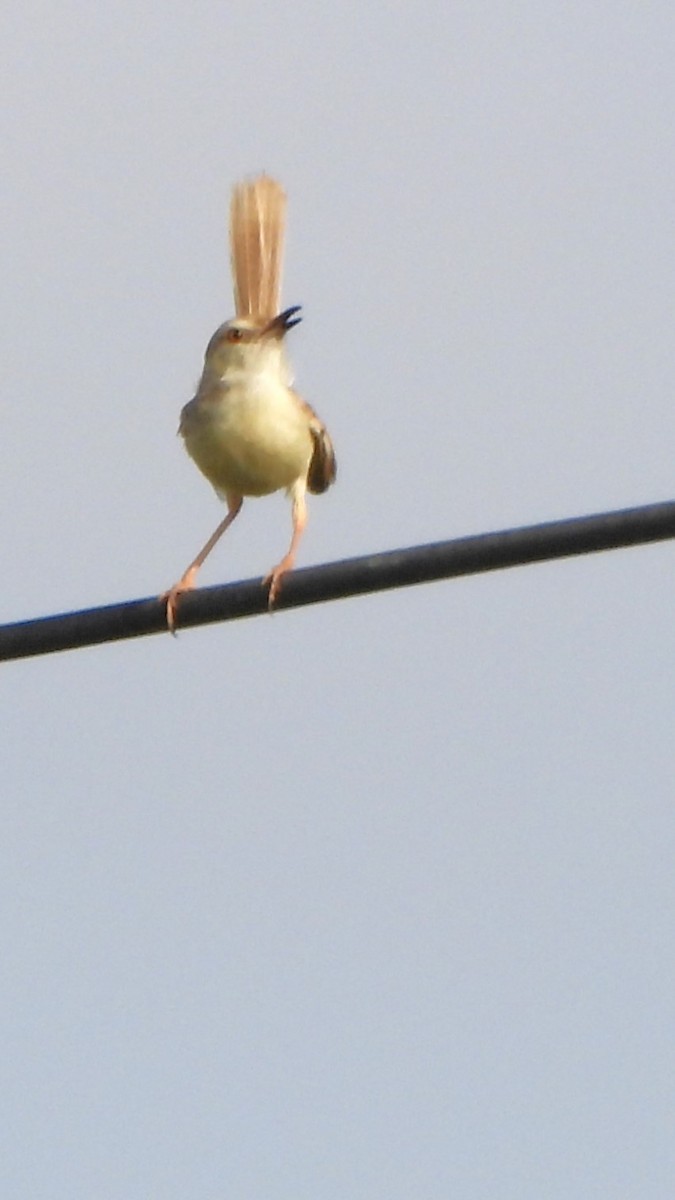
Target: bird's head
249, 343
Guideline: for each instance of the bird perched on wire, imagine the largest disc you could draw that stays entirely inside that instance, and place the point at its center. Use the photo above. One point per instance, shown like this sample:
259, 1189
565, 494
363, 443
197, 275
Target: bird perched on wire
246, 428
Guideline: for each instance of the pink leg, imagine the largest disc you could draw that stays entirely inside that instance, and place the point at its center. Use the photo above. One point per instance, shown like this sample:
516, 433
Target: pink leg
187, 579
287, 563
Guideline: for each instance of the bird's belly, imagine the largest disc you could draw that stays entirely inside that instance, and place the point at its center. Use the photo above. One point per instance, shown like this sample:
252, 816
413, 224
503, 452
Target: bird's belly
250, 444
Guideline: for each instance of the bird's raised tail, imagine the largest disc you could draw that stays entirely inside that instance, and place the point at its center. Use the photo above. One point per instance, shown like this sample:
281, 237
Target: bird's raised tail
257, 228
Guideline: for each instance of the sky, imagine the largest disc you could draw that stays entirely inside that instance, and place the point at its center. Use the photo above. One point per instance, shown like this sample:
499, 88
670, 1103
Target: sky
374, 898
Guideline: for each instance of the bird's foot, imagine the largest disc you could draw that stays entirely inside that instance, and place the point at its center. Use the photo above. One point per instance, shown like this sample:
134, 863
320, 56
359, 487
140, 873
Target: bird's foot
185, 584
274, 578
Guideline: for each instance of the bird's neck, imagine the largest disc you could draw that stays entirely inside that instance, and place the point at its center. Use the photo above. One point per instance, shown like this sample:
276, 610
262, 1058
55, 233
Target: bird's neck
250, 369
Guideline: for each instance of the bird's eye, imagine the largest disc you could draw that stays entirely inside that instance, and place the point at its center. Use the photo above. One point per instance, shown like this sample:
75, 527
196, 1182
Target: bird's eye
234, 335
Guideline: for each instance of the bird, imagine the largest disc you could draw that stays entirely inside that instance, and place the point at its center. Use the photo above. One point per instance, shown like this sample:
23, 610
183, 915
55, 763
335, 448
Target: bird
246, 428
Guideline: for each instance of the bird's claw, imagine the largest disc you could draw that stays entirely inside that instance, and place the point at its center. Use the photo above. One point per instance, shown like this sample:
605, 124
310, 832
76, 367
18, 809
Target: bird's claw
186, 584
273, 580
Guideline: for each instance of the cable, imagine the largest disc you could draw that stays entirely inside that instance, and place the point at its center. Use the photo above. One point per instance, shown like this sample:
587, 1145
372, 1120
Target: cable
350, 577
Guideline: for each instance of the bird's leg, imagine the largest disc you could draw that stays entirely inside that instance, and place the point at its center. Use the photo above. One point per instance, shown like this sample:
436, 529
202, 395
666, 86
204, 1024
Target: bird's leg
187, 579
299, 514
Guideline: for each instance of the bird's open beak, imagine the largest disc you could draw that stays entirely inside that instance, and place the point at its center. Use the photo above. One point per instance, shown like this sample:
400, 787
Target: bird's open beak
280, 325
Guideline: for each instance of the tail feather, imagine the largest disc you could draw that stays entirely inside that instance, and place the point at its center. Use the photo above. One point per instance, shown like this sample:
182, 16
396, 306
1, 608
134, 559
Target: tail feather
257, 229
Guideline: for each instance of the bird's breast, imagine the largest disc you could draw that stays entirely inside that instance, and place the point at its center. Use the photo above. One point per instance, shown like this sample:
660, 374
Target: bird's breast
247, 436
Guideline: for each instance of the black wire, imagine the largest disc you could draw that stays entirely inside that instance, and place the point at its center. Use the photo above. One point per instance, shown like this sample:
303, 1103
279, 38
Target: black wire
351, 577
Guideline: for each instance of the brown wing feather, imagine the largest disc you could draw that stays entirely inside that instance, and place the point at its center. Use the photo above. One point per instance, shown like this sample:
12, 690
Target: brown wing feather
323, 464
257, 228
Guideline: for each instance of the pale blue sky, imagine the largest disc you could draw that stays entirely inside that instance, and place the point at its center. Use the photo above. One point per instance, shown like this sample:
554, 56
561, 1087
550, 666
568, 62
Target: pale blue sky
374, 899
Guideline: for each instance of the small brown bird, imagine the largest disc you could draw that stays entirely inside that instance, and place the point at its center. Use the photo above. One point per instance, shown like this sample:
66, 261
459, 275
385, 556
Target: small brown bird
246, 428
